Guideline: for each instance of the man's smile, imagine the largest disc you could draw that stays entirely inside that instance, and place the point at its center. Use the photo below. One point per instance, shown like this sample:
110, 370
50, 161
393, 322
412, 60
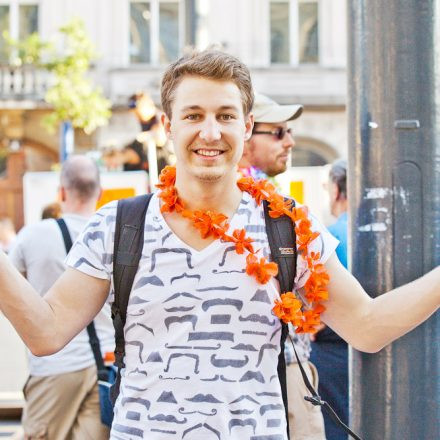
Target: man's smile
208, 152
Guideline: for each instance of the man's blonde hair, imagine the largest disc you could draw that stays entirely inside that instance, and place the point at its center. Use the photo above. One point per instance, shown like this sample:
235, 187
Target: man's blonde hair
210, 64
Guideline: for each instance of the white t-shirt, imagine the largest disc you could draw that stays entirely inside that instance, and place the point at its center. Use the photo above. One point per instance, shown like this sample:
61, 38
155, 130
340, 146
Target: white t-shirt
39, 253
202, 343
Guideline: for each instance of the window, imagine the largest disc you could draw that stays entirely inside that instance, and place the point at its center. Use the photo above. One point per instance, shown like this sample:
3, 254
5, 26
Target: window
155, 31
140, 19
308, 32
294, 31
279, 32
19, 18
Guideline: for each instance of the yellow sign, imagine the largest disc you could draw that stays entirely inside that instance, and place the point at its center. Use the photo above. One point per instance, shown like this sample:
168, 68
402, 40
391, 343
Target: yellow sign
297, 190
111, 194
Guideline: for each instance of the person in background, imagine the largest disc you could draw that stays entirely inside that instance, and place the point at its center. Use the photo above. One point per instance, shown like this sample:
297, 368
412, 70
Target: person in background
329, 351
130, 158
7, 234
61, 392
265, 155
53, 210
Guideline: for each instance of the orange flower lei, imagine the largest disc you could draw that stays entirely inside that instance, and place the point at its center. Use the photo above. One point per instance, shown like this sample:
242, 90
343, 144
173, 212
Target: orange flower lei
212, 224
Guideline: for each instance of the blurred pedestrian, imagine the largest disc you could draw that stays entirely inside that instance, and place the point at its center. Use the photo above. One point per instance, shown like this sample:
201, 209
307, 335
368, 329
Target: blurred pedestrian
330, 351
265, 155
130, 158
61, 392
7, 234
53, 210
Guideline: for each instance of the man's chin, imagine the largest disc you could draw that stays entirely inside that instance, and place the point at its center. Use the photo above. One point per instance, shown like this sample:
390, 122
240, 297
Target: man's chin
208, 174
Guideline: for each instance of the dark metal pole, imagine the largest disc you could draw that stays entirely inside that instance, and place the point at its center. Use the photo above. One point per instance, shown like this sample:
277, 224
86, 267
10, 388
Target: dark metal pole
394, 192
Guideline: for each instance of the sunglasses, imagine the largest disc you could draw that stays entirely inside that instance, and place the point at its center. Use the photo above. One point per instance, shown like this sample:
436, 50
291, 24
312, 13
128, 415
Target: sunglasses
279, 132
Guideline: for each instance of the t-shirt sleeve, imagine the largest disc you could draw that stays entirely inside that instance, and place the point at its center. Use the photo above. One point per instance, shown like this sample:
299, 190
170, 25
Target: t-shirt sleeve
92, 252
325, 244
16, 253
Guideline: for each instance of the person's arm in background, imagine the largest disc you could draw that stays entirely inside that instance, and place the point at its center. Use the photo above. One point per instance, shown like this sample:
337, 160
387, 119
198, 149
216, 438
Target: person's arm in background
370, 324
46, 324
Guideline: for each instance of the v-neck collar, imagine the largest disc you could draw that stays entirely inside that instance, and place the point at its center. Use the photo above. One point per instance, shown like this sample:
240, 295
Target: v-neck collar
216, 243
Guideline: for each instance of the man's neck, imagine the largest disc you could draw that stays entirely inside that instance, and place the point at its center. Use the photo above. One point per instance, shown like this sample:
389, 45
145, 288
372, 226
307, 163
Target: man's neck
339, 208
83, 210
222, 195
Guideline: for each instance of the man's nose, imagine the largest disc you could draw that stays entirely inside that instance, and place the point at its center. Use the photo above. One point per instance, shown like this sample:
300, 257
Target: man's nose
210, 130
288, 141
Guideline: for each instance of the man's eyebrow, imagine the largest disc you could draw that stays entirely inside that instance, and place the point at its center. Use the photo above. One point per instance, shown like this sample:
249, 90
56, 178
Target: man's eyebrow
191, 107
222, 108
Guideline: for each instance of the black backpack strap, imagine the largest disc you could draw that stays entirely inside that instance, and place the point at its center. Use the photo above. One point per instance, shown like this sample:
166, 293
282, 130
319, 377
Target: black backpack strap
127, 251
282, 242
66, 235
91, 331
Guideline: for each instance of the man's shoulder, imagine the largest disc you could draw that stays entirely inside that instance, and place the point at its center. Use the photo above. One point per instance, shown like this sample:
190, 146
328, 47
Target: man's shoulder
36, 229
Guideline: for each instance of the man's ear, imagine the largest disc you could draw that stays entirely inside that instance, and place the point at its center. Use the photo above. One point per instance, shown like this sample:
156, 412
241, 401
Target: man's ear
166, 125
249, 125
334, 192
62, 194
247, 147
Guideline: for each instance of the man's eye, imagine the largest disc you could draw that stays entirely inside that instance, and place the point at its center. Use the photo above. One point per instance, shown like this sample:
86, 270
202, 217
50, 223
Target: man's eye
226, 117
192, 117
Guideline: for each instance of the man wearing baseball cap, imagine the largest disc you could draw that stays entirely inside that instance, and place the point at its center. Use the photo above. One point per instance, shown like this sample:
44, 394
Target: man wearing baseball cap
268, 148
265, 155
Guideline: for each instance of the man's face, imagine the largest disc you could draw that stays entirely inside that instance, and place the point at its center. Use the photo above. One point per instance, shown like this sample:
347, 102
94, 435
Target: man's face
208, 127
266, 151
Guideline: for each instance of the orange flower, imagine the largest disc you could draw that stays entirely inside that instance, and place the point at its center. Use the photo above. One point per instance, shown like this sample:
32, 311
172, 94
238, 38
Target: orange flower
171, 201
241, 241
304, 235
210, 224
288, 309
246, 184
167, 177
298, 213
311, 320
312, 259
279, 206
261, 270
262, 190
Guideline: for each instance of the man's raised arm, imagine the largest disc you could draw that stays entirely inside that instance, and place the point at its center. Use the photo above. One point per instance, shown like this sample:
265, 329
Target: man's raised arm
369, 324
46, 324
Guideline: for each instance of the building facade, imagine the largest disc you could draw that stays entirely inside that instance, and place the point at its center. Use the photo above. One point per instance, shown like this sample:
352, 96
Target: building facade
296, 50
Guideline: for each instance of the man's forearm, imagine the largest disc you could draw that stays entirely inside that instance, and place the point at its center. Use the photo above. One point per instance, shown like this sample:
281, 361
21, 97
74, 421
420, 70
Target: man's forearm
30, 314
369, 324
400, 310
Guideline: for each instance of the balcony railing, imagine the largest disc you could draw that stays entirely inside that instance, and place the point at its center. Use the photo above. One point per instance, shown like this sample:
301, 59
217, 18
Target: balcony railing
25, 82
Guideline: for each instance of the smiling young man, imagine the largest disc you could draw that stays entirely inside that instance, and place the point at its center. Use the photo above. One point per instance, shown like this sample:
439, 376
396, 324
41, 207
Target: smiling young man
202, 344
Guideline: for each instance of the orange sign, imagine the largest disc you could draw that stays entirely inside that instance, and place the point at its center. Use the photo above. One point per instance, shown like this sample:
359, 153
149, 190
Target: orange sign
111, 194
297, 190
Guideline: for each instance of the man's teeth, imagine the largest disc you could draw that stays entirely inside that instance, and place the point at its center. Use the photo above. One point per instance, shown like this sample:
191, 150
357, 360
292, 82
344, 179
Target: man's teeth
209, 152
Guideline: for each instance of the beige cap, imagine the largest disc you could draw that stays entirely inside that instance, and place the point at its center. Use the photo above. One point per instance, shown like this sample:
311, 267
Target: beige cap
267, 110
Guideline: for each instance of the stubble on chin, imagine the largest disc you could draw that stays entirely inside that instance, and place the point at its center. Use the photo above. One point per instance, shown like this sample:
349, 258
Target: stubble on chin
208, 175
